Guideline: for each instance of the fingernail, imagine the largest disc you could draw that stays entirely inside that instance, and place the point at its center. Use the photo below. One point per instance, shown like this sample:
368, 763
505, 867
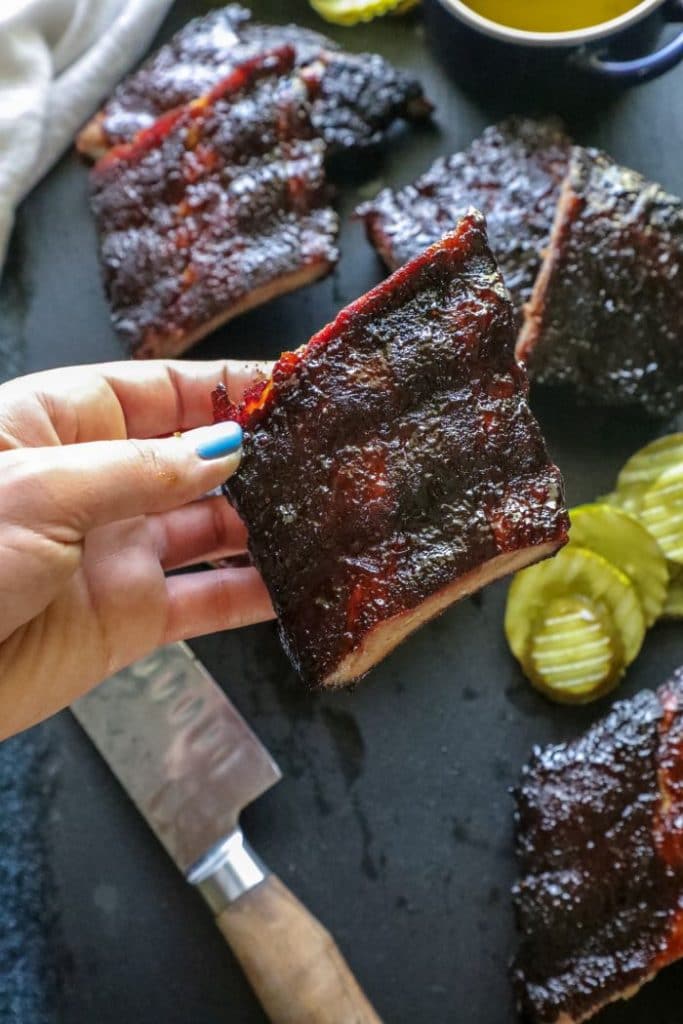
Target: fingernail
220, 440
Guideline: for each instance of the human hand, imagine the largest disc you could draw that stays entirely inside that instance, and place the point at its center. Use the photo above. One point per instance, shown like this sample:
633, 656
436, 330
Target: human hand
94, 510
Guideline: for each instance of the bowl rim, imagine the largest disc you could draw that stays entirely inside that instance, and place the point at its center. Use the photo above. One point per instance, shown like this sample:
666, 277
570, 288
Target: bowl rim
572, 37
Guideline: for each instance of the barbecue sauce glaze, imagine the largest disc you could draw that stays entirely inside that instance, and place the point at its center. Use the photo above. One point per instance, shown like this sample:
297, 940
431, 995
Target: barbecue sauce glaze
393, 454
600, 842
512, 172
606, 311
356, 98
216, 201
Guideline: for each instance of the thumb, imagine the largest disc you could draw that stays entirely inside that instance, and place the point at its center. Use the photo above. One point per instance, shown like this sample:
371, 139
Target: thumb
64, 492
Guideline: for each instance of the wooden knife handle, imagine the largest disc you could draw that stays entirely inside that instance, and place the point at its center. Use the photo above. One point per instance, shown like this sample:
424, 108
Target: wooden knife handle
291, 961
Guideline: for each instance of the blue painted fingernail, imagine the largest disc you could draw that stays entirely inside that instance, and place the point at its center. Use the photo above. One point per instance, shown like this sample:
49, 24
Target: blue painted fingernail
220, 440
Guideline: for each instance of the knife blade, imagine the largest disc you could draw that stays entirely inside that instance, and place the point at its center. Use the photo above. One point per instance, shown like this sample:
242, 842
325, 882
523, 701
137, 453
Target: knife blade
179, 748
191, 764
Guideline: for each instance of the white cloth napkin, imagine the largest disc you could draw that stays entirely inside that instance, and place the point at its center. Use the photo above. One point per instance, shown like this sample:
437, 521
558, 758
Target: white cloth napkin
58, 59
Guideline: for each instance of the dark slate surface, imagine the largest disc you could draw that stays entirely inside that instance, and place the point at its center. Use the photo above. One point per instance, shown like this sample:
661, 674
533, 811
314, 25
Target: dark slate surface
393, 822
31, 950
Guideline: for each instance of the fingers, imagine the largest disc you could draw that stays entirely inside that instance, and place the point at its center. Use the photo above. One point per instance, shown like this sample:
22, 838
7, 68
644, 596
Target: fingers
51, 499
62, 493
47, 663
160, 396
202, 531
117, 400
205, 602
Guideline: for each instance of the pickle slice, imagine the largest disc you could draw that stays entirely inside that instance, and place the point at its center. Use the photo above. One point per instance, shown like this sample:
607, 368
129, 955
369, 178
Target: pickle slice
350, 12
645, 467
574, 656
673, 605
624, 542
662, 513
625, 500
574, 571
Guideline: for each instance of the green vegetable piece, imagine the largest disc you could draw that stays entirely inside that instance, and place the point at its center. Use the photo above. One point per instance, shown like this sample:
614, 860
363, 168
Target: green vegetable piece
645, 467
574, 572
624, 542
625, 500
662, 513
350, 12
574, 656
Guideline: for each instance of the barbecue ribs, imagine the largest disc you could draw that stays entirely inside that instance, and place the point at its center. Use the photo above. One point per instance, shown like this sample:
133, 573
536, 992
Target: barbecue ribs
606, 311
218, 207
600, 839
358, 95
392, 465
513, 173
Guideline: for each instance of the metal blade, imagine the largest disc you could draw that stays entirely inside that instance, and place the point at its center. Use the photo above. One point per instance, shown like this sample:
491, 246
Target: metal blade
179, 748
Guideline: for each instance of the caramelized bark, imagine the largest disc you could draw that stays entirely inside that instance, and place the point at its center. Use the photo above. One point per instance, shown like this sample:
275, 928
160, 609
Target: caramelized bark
392, 464
513, 173
606, 311
359, 95
600, 840
195, 60
219, 206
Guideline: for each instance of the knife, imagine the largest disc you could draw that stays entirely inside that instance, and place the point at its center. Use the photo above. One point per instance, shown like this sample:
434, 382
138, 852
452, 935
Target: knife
191, 764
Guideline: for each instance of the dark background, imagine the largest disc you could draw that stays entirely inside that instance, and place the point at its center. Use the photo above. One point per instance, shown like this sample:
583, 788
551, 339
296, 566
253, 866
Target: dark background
393, 822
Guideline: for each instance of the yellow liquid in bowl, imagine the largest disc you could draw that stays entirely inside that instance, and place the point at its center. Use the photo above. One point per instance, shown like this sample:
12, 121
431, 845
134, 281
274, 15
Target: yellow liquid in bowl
547, 16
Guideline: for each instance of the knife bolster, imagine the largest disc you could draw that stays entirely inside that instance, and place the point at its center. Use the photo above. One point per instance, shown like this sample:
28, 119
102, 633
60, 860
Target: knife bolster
227, 872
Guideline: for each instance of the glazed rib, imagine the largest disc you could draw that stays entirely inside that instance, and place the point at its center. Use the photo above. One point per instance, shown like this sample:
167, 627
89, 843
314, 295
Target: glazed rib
218, 207
392, 465
358, 97
195, 60
600, 840
606, 312
513, 173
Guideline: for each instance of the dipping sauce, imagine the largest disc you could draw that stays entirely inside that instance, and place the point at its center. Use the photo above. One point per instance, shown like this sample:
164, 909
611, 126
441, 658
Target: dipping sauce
550, 15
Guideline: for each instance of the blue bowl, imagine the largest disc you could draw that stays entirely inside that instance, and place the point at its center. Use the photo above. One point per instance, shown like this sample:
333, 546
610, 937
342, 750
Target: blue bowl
619, 50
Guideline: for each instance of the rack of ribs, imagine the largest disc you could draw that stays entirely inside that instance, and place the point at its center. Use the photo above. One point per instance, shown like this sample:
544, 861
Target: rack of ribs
513, 173
218, 207
392, 465
600, 840
606, 311
358, 96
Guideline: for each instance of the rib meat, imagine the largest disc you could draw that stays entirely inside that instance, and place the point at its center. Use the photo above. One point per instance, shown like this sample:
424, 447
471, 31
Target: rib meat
196, 59
392, 465
218, 207
600, 839
358, 95
606, 312
513, 172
